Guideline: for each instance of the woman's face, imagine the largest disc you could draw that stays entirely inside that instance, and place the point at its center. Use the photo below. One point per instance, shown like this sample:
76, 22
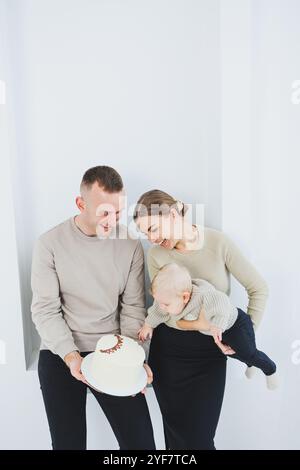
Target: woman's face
163, 230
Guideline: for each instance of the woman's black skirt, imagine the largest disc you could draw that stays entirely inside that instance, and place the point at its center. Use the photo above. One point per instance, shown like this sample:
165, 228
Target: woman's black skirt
189, 380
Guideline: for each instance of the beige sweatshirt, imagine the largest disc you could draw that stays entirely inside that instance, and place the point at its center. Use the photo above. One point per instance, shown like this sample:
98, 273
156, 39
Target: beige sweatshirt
218, 258
218, 309
84, 287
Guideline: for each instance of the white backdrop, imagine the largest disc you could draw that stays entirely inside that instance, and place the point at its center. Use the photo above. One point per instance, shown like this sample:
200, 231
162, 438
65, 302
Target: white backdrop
193, 97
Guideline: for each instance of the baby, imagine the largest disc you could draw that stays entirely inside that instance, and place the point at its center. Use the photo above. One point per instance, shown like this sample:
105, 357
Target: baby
178, 299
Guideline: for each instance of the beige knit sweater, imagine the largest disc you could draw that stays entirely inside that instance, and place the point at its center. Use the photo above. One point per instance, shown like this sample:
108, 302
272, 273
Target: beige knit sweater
215, 262
217, 307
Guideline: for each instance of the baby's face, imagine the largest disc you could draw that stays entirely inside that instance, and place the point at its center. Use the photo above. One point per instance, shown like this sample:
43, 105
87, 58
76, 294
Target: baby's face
171, 303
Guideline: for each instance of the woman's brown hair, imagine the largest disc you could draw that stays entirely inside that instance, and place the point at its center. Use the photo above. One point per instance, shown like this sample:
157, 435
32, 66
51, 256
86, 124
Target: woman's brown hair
157, 202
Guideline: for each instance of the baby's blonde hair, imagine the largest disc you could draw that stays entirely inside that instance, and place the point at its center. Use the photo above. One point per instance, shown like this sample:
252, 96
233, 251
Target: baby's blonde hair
172, 277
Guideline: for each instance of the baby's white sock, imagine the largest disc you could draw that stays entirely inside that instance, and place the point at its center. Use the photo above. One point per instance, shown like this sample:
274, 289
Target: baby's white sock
250, 371
272, 381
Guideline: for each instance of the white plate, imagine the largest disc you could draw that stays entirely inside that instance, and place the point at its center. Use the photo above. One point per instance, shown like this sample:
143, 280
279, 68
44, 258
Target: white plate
122, 391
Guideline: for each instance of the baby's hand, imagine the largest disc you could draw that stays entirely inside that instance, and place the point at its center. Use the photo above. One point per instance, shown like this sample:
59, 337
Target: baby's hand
145, 332
216, 332
217, 335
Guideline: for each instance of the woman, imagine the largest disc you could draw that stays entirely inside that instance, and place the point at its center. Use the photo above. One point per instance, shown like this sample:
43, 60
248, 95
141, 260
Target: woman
189, 370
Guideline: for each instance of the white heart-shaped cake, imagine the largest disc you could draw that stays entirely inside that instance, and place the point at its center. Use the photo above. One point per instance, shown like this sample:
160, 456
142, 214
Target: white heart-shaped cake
117, 360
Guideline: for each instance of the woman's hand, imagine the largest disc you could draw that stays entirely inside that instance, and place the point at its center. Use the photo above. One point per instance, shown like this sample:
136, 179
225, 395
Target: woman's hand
225, 348
194, 325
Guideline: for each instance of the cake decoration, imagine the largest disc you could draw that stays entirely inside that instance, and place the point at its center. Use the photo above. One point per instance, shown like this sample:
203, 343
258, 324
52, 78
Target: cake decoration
117, 346
119, 373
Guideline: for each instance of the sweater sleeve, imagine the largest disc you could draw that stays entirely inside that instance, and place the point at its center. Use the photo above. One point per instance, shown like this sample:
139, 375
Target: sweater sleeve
248, 276
218, 309
132, 300
156, 316
46, 309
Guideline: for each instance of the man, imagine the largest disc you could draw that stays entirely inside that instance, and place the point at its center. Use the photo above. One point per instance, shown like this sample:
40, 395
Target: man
86, 282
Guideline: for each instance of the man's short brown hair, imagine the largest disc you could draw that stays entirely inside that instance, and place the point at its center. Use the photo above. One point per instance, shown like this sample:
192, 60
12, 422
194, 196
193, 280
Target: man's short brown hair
107, 178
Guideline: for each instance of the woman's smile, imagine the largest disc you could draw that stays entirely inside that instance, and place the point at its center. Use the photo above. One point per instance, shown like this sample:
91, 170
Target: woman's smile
164, 243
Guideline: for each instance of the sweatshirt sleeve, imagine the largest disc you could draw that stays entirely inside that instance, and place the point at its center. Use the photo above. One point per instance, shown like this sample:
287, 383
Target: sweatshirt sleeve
250, 279
156, 316
132, 300
46, 309
152, 264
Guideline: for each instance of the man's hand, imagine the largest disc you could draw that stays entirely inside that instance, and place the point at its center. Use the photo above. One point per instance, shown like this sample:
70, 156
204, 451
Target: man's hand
73, 361
145, 332
150, 377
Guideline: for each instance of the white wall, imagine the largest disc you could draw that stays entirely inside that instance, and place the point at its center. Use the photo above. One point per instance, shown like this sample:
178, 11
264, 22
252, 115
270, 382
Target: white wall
260, 158
133, 84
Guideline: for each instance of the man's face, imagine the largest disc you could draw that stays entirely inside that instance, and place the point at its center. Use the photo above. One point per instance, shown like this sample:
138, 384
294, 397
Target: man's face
102, 210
